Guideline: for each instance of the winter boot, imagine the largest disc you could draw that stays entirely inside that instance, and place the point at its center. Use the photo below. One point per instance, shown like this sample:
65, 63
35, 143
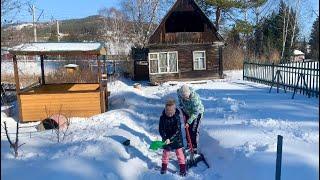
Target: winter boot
164, 168
182, 169
195, 150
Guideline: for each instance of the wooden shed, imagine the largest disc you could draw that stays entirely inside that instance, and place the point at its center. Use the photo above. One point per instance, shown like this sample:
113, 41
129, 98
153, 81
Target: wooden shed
186, 45
40, 100
140, 66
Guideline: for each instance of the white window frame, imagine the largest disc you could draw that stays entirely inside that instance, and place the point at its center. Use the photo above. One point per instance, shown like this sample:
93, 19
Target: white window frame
168, 64
194, 60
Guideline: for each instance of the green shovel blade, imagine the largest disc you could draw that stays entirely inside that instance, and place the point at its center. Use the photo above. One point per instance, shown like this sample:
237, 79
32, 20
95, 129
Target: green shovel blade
155, 145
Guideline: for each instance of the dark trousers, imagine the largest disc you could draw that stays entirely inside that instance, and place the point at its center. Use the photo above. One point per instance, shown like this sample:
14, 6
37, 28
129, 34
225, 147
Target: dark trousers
194, 130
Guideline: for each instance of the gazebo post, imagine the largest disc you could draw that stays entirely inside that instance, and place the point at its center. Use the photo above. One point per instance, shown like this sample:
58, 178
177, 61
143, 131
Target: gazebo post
16, 79
104, 64
42, 70
102, 106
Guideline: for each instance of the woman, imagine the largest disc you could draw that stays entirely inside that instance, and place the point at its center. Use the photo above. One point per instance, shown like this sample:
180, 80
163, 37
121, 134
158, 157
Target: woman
192, 108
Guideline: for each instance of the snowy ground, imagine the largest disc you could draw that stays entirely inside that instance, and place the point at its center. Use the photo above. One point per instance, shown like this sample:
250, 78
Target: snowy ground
238, 136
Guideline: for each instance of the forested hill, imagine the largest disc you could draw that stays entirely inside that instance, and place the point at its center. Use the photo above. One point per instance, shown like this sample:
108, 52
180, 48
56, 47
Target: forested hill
87, 28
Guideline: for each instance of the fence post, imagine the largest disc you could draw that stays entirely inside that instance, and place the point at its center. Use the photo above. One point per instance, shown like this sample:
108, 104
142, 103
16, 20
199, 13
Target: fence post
243, 66
279, 157
277, 74
272, 67
220, 62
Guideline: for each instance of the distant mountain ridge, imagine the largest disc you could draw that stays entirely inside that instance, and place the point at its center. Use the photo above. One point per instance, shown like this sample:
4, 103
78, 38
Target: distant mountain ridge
71, 29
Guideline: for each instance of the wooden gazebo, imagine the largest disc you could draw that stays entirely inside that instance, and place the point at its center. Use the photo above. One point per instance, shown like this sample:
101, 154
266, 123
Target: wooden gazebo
41, 99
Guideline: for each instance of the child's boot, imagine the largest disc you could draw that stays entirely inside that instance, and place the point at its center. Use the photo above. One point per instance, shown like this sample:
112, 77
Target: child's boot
164, 168
182, 169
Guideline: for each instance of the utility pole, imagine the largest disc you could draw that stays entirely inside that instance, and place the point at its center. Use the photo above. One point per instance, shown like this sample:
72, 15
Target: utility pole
34, 23
34, 20
58, 33
58, 36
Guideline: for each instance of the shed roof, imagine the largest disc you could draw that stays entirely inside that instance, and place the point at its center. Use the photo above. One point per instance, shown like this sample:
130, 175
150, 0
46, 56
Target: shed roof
297, 52
58, 48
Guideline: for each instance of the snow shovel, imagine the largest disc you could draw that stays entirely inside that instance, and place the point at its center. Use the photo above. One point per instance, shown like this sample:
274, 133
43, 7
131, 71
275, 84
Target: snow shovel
193, 159
155, 145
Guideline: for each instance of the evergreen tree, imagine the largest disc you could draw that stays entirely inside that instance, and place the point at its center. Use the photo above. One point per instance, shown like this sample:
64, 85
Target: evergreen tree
221, 6
206, 8
303, 47
314, 40
274, 30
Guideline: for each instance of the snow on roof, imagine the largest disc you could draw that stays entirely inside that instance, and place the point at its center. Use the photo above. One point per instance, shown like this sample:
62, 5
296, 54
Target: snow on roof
297, 52
47, 47
57, 48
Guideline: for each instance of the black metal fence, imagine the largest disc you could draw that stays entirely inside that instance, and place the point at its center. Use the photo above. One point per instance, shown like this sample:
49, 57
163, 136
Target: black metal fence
299, 77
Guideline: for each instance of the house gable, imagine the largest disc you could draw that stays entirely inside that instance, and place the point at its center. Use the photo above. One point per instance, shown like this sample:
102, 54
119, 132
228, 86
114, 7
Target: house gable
185, 23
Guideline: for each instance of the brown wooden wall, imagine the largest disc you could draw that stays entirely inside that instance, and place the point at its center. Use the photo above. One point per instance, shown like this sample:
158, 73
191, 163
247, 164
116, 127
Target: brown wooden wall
77, 104
185, 62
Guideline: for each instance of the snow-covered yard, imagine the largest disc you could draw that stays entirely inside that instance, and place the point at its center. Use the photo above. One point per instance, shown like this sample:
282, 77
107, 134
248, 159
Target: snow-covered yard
238, 136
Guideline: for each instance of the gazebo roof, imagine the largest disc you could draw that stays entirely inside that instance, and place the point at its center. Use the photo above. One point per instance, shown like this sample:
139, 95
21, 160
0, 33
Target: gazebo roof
58, 48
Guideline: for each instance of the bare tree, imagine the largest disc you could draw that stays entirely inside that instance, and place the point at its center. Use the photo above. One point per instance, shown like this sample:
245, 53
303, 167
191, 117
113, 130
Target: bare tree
295, 21
14, 145
286, 19
114, 27
8, 7
144, 15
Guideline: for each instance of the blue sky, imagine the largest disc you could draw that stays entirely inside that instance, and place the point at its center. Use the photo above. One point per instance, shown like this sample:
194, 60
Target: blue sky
69, 9
66, 9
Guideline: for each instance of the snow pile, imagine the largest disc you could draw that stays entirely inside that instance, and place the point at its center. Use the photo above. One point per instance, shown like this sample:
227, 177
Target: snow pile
238, 136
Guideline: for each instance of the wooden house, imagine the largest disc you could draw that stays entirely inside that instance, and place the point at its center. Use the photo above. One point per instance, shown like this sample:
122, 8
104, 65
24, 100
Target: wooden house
41, 100
186, 45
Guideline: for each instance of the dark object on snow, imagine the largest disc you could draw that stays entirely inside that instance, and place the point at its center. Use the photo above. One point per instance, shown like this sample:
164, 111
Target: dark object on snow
49, 124
54, 122
126, 142
193, 158
170, 128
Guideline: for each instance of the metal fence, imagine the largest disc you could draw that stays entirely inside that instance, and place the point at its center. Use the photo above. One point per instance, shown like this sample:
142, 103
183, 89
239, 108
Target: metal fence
299, 77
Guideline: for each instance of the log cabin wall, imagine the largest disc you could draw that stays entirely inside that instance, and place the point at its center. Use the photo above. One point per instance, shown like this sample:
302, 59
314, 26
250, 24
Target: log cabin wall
185, 62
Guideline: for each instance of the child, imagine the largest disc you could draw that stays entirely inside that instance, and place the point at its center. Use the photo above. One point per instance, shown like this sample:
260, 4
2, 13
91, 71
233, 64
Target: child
170, 131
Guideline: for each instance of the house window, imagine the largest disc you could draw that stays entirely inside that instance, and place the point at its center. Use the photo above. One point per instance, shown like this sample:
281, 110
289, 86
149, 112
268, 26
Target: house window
163, 62
153, 63
199, 60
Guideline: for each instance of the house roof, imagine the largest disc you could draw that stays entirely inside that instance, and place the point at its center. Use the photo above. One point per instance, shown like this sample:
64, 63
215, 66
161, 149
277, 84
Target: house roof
61, 48
197, 7
297, 52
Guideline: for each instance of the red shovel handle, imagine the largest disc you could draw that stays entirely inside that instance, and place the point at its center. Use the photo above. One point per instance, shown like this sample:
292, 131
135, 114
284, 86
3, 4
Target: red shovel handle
188, 135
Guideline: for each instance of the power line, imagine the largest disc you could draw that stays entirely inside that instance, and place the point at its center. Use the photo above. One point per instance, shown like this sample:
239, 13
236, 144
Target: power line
315, 12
